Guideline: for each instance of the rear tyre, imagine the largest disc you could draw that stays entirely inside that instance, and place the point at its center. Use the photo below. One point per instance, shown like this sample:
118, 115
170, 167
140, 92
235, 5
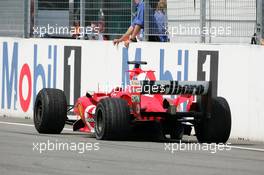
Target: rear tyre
217, 127
50, 111
112, 120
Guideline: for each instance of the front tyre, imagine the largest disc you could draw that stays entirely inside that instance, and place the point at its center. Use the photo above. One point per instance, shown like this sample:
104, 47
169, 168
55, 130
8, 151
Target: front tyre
50, 111
112, 120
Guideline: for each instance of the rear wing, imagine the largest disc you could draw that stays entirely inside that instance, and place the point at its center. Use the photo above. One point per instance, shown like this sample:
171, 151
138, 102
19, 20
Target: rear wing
171, 87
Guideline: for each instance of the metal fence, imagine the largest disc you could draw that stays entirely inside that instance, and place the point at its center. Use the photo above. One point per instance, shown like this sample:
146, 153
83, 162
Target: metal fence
14, 18
212, 21
208, 21
111, 17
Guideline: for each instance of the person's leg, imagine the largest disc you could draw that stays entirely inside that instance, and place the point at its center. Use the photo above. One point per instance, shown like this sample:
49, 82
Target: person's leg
125, 36
136, 31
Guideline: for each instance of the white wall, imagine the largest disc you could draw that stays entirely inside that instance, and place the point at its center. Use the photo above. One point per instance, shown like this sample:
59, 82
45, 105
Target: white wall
240, 73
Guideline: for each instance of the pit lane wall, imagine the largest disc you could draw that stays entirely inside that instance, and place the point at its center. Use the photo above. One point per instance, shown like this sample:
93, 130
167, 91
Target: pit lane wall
27, 65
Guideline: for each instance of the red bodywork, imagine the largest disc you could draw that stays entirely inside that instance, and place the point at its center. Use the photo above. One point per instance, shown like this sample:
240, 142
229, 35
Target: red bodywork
85, 106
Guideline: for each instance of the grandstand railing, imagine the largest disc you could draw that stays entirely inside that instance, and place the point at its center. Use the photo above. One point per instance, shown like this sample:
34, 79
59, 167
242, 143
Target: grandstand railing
208, 21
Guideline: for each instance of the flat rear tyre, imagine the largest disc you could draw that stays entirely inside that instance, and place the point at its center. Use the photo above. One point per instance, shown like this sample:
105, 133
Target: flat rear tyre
216, 127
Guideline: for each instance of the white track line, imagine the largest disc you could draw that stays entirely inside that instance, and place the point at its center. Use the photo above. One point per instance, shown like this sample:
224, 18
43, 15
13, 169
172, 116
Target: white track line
67, 129
23, 124
247, 148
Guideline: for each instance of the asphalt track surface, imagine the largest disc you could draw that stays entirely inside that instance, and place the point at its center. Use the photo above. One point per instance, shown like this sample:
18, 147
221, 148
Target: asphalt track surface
18, 155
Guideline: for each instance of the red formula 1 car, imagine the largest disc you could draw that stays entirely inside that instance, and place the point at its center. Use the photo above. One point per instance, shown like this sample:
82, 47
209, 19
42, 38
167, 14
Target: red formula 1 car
144, 107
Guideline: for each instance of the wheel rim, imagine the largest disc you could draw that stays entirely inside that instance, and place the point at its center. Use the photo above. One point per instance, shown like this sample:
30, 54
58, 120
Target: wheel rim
99, 121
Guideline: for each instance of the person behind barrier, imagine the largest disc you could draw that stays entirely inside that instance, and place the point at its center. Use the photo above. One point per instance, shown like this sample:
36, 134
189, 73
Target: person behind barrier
76, 34
161, 21
158, 23
136, 26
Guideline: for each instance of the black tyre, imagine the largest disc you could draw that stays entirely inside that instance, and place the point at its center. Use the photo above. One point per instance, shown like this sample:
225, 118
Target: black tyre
177, 132
173, 128
217, 127
112, 120
50, 111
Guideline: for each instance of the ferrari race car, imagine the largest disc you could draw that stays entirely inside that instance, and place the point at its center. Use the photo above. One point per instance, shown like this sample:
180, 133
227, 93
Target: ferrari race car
156, 109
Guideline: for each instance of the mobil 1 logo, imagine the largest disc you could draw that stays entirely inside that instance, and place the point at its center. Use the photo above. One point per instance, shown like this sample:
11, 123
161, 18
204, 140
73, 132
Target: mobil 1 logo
72, 72
207, 68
